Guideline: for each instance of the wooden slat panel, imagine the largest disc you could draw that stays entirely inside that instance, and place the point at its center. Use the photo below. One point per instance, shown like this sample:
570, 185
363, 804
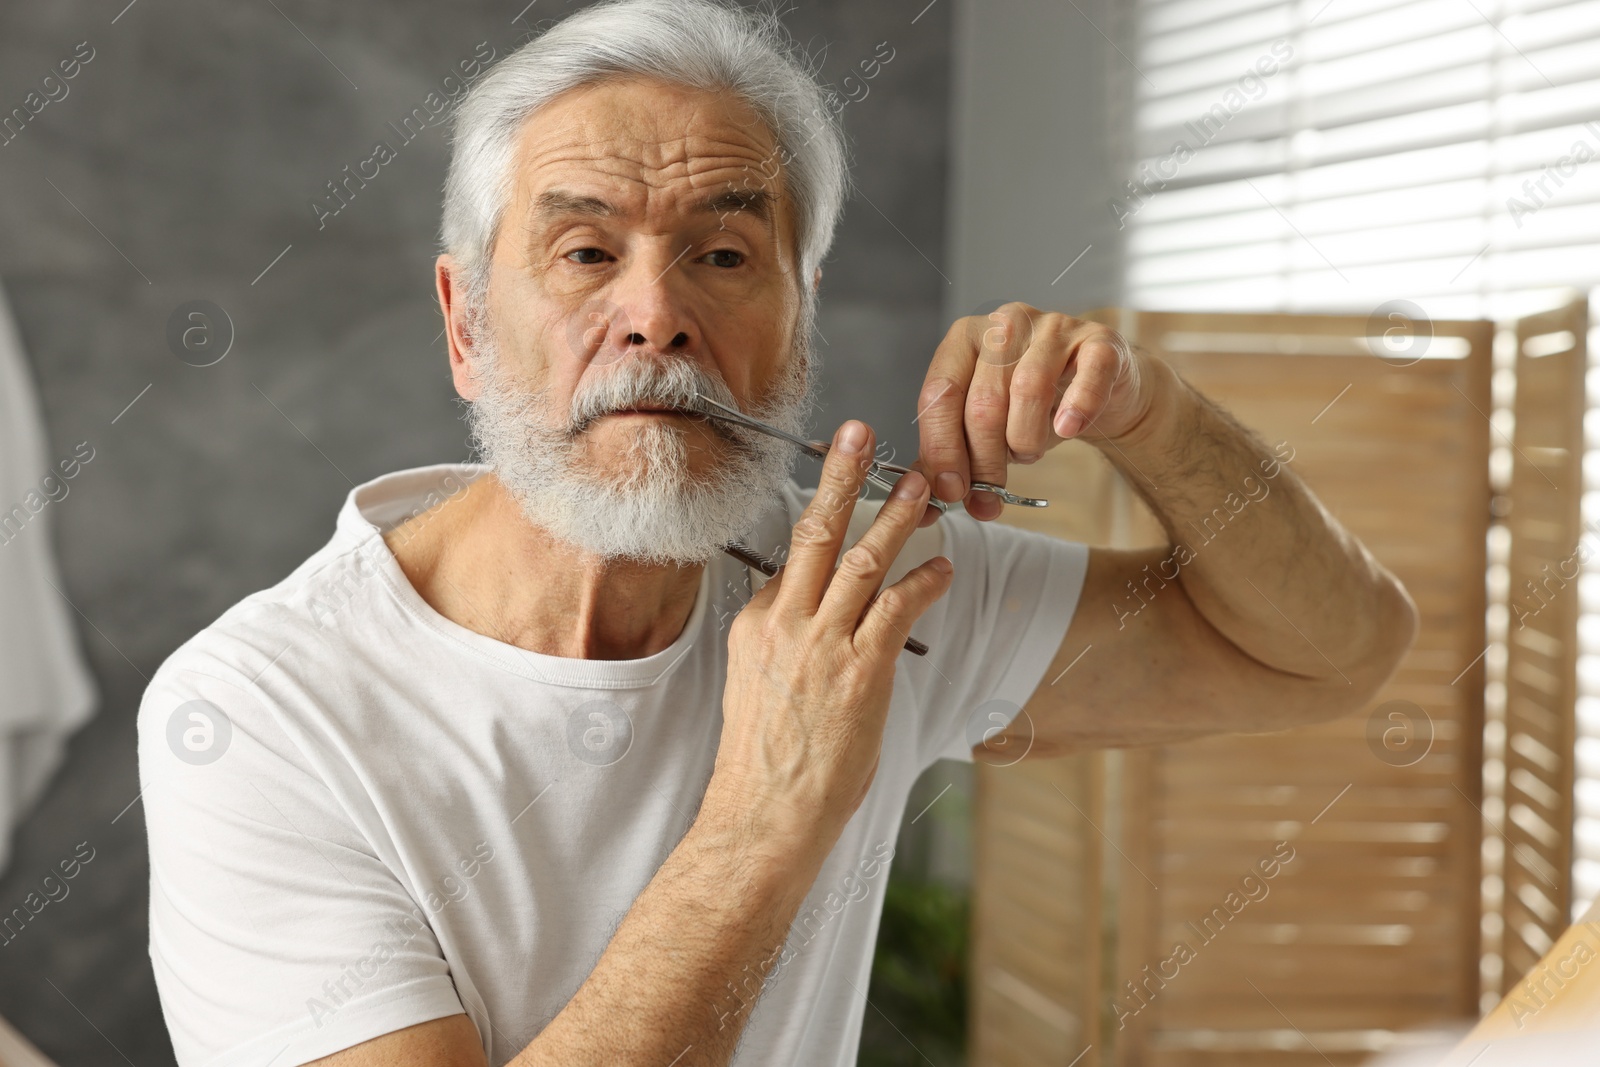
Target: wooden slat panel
1035, 968
1036, 913
1372, 928
1544, 520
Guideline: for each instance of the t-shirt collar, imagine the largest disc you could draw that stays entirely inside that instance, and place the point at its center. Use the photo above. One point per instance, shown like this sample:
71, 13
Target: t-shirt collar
375, 507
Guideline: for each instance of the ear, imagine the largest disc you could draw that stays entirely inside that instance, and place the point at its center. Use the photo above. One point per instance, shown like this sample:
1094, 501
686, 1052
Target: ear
447, 273
816, 278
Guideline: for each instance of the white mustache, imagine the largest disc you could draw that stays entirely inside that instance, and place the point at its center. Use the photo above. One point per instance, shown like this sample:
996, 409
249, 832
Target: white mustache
637, 382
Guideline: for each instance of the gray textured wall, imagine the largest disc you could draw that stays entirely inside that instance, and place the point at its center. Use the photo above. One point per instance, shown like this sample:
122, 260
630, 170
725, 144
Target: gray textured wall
1037, 144
1036, 150
179, 166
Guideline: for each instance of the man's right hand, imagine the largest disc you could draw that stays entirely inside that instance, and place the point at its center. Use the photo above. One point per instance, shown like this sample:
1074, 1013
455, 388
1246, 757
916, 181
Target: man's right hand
811, 657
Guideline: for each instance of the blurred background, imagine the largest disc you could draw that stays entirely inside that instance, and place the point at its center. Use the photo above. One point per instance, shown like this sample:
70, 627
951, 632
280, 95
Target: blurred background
1361, 225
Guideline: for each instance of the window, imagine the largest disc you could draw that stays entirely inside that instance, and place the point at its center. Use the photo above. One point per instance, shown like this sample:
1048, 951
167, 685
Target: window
1338, 154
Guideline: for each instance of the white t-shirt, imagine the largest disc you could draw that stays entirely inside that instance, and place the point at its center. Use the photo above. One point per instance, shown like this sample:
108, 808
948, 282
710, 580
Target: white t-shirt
363, 816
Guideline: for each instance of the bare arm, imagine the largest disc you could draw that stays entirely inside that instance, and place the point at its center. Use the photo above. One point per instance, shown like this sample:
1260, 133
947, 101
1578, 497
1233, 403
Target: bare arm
676, 983
811, 668
1293, 590
1262, 612
683, 970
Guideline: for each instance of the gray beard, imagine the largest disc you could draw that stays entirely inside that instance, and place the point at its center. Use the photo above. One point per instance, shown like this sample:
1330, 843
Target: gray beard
654, 510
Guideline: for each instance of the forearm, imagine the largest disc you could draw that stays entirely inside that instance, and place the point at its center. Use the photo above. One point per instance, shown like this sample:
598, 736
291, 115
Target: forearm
678, 980
1258, 555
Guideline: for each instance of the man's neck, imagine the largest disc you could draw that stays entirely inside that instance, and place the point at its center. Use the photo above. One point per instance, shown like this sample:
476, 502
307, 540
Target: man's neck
479, 562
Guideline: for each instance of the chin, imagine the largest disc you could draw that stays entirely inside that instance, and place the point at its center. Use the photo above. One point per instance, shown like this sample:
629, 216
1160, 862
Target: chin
623, 449
654, 488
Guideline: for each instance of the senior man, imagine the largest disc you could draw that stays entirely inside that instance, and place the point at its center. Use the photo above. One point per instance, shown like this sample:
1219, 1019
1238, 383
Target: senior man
521, 768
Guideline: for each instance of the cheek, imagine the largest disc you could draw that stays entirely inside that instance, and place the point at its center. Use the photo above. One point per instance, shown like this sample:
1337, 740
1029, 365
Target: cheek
777, 346
763, 332
530, 340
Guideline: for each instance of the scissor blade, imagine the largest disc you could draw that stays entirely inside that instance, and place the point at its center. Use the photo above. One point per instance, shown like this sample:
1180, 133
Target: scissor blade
712, 409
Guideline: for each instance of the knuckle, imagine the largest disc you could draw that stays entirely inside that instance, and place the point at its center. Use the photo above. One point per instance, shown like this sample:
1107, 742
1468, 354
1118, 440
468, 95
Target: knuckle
1026, 445
842, 483
1113, 341
1057, 327
994, 339
757, 634
935, 390
893, 601
861, 560
812, 530
771, 638
1032, 382
987, 409
1128, 369
809, 528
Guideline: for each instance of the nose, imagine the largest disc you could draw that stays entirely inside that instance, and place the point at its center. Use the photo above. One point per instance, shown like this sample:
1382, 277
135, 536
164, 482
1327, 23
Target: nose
679, 340
649, 314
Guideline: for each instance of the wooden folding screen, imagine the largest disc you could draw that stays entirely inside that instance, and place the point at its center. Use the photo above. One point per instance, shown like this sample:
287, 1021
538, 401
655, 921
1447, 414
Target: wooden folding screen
1548, 548
1372, 927
1035, 985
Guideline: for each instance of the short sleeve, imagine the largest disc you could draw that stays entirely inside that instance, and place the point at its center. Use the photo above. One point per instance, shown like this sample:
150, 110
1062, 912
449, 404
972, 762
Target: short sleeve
994, 633
277, 935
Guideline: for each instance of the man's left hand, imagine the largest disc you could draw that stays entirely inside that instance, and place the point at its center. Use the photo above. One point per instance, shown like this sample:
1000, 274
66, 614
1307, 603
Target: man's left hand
1007, 387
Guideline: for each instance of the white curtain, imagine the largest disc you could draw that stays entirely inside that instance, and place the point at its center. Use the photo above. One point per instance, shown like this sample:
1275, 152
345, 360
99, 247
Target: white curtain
46, 690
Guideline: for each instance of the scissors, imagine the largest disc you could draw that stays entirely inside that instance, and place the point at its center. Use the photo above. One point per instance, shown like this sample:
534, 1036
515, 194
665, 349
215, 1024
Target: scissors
761, 563
704, 405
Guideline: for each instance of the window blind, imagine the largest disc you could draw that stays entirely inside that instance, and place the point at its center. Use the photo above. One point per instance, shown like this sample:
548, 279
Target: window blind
1337, 154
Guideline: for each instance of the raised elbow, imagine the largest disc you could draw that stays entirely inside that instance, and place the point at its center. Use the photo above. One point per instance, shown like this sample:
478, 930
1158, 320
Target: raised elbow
1399, 623
1393, 625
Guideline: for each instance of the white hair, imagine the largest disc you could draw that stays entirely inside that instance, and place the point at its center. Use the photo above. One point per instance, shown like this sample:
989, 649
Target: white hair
702, 44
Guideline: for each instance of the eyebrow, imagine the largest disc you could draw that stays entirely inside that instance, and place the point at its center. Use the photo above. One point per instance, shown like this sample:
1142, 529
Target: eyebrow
559, 202
555, 202
756, 201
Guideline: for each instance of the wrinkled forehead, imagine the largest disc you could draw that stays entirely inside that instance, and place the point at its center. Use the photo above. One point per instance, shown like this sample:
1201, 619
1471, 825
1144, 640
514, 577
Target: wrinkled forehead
652, 151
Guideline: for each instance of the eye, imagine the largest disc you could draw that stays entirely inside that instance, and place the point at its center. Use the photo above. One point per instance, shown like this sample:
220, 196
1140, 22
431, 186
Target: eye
587, 256
725, 257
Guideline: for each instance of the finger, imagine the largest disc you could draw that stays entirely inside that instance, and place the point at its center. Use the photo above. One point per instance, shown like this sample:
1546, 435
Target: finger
988, 403
1008, 335
887, 623
1096, 364
940, 409
863, 566
1035, 389
819, 533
